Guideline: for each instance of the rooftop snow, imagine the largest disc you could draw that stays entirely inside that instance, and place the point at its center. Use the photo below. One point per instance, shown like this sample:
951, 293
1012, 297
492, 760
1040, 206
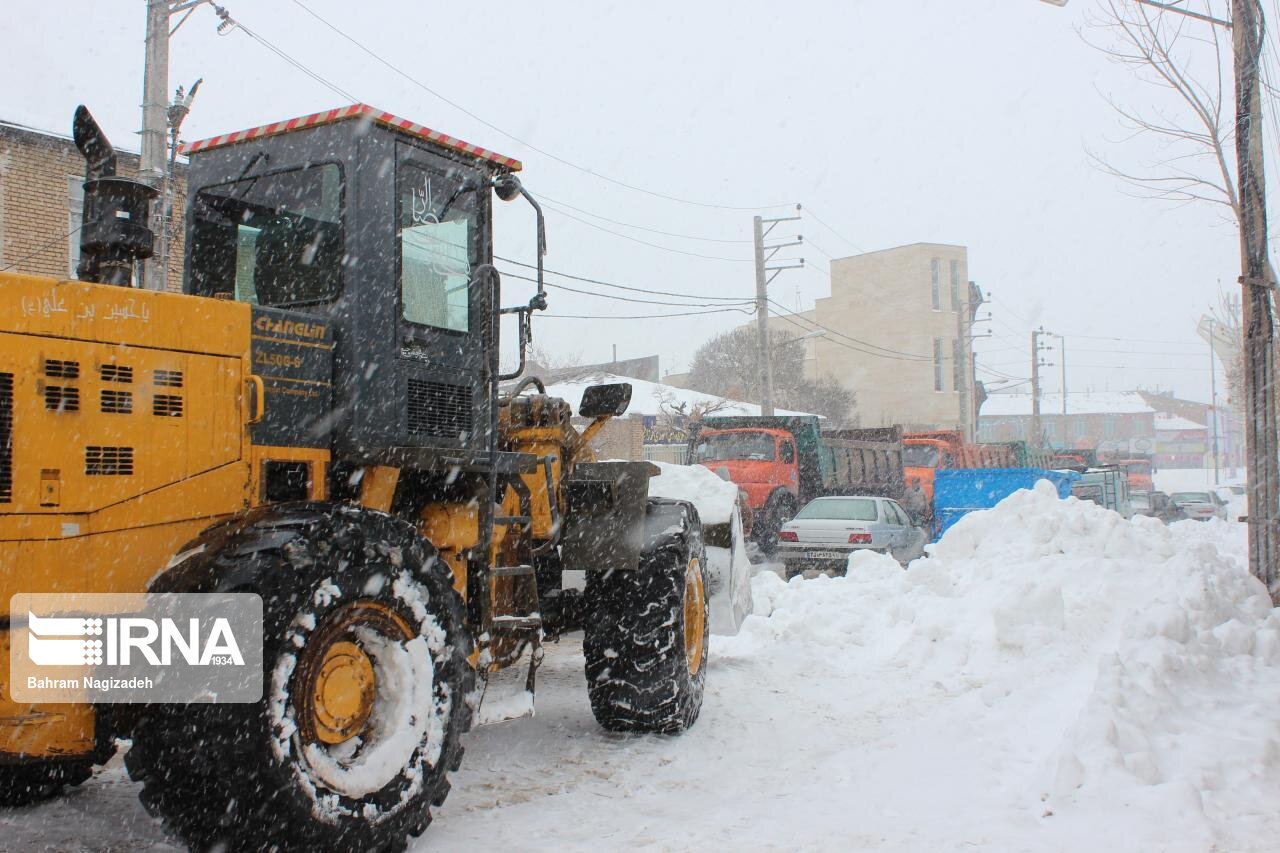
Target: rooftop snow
1088, 403
653, 398
1174, 422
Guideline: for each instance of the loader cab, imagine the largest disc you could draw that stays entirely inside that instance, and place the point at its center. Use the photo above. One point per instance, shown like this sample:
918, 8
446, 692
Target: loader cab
355, 236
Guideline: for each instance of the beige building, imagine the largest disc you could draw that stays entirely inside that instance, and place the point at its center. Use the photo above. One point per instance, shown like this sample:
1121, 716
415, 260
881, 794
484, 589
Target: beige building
899, 321
42, 197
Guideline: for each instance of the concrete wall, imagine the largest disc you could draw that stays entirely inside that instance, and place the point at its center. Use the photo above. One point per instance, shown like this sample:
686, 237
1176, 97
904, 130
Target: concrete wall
40, 175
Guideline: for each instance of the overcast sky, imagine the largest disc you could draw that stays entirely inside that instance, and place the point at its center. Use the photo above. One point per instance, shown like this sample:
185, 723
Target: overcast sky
894, 122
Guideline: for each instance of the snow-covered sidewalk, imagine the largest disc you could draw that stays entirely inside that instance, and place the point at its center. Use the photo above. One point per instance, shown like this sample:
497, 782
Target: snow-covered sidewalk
1053, 678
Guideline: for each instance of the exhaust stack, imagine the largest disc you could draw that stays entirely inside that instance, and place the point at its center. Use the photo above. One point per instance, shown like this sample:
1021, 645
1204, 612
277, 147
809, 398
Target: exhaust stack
113, 231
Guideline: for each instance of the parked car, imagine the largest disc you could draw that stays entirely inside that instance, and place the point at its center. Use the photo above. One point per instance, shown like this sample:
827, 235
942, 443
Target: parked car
828, 529
1163, 508
1200, 506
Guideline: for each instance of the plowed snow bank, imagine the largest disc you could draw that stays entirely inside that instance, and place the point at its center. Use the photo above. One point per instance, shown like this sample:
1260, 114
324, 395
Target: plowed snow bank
1058, 670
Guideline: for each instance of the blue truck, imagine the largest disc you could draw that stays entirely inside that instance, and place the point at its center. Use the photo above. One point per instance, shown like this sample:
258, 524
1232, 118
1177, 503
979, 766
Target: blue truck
958, 491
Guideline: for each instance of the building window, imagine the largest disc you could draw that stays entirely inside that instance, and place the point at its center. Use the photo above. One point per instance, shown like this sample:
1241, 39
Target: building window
1050, 430
957, 359
75, 215
935, 268
955, 285
937, 363
1109, 428
1081, 427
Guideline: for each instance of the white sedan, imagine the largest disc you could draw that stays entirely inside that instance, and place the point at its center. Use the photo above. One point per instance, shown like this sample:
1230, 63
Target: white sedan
829, 529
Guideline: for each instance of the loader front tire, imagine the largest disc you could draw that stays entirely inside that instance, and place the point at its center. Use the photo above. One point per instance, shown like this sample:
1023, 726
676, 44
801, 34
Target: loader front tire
26, 784
366, 691
645, 637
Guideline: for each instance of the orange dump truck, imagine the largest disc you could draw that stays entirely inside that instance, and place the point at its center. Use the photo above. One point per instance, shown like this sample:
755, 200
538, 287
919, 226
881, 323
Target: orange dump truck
923, 453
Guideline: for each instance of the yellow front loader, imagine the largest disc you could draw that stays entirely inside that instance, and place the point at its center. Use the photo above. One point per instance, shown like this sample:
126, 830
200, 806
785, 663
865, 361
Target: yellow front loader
317, 419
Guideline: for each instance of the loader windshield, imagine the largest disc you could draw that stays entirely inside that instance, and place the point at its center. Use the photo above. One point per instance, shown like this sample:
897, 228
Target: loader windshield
273, 239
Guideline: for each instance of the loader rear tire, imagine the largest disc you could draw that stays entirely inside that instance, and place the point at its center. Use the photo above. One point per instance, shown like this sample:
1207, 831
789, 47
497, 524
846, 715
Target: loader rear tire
645, 638
366, 690
27, 784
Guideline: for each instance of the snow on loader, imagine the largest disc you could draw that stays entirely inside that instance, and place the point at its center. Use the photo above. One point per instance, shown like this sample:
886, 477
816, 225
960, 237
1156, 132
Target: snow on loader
316, 419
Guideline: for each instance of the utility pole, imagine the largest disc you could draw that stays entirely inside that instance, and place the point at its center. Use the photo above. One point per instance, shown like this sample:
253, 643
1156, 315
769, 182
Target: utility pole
1262, 474
966, 314
155, 95
1062, 355
764, 275
1213, 404
1033, 437
1036, 363
155, 115
177, 111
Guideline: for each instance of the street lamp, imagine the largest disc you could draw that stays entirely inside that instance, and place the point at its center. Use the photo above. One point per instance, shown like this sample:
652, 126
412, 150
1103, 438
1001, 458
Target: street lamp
1190, 13
816, 333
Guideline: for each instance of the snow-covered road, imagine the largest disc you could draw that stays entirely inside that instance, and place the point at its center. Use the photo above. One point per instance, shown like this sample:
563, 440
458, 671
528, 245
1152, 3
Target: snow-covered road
1054, 678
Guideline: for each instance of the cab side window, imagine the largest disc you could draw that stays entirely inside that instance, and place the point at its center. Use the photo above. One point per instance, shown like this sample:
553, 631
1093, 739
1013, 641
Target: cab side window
788, 452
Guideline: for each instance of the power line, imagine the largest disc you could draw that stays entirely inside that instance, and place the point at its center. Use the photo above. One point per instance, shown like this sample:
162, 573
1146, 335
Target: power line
424, 87
905, 356
544, 316
227, 19
623, 298
55, 241
553, 208
546, 198
604, 283
818, 219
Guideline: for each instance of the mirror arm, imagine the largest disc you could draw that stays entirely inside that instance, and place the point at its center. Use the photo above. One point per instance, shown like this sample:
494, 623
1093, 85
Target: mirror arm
526, 337
539, 301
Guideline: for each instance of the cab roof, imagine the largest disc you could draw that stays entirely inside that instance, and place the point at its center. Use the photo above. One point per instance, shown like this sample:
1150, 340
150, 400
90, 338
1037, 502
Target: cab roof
354, 111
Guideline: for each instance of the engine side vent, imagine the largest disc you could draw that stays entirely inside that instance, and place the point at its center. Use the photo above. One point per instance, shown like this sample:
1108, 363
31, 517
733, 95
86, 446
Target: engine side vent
116, 373
59, 369
117, 402
435, 408
6, 437
108, 461
166, 405
62, 398
167, 378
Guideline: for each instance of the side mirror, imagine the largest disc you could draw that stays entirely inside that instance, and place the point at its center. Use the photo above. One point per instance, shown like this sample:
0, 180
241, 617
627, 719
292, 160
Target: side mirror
605, 401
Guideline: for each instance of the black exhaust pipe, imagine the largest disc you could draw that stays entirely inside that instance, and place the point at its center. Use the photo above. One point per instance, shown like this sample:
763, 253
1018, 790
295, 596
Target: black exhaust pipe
113, 232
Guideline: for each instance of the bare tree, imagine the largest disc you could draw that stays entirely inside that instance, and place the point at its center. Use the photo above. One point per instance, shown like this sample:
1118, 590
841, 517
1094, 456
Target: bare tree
1190, 60
728, 366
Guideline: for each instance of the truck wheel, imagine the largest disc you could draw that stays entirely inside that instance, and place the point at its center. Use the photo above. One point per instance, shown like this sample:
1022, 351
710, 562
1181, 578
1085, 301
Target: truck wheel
366, 691
24, 784
778, 511
646, 630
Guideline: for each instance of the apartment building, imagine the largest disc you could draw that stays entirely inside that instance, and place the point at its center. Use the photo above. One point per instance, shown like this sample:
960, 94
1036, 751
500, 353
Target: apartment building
899, 324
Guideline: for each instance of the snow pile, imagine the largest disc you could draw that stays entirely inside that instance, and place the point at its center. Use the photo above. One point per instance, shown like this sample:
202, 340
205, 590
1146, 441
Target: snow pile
653, 399
728, 572
715, 498
1063, 677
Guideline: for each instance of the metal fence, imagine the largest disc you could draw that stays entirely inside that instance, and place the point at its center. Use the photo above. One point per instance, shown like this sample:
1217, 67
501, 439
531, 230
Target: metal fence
676, 454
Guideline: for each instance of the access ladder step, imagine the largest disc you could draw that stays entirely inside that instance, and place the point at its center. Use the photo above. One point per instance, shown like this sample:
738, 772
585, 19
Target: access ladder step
511, 571
518, 623
512, 521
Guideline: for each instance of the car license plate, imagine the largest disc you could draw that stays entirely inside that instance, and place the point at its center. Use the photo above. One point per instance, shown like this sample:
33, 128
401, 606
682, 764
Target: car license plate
826, 555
